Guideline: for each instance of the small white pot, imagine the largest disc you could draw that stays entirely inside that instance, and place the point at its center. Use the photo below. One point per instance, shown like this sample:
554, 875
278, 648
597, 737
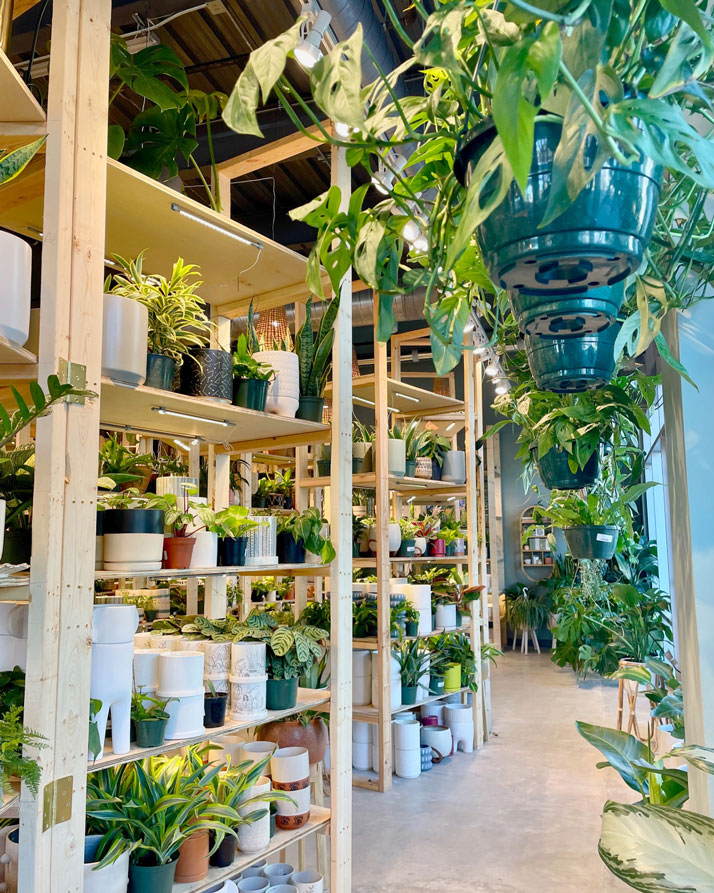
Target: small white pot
457, 713
278, 873
419, 596
248, 659
360, 449
180, 673
361, 732
284, 390
248, 697
125, 331
114, 624
406, 734
290, 764
407, 763
419, 546
445, 616
255, 837
112, 879
185, 715
205, 552
361, 755
217, 658
256, 751
302, 803
146, 668
16, 265
308, 881
395, 537
396, 457
454, 468
133, 552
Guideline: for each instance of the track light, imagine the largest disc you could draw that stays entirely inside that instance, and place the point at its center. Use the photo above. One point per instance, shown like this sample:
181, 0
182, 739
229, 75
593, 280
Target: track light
308, 52
384, 178
492, 369
501, 389
161, 410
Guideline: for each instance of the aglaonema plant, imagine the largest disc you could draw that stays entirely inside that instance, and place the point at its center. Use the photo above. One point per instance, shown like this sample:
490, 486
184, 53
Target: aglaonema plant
627, 82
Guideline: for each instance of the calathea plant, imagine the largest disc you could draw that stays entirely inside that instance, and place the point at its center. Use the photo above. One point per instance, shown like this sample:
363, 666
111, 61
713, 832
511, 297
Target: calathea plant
621, 85
291, 651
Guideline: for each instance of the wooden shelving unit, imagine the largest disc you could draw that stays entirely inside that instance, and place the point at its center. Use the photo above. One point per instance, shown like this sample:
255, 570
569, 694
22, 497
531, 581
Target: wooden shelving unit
371, 714
535, 552
402, 398
275, 570
405, 486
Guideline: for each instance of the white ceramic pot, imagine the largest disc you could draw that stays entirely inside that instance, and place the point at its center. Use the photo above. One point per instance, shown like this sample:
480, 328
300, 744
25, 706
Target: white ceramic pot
182, 644
360, 449
445, 616
112, 879
248, 697
361, 690
164, 643
290, 764
146, 668
260, 547
406, 734
13, 653
16, 265
256, 751
419, 595
301, 805
142, 640
407, 763
361, 732
395, 686
221, 684
396, 457
248, 659
205, 552
181, 673
438, 737
395, 537
423, 467
114, 624
217, 658
454, 468
253, 884
364, 588
125, 331
463, 736
457, 713
361, 663
284, 390
111, 683
255, 837
176, 484
308, 881
133, 552
278, 873
185, 715
419, 546
361, 755
255, 870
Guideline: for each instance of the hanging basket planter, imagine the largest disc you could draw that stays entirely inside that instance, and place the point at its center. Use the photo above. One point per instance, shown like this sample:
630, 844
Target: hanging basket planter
569, 365
562, 314
555, 472
598, 240
592, 541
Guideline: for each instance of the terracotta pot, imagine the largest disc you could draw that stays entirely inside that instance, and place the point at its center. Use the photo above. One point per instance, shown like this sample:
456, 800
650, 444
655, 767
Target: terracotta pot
178, 551
292, 734
192, 864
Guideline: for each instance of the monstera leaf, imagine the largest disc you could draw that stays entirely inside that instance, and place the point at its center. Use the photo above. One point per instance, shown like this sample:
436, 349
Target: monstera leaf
158, 139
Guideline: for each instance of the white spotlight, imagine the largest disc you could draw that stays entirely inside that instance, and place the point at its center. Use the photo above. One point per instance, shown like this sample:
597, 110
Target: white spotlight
308, 52
492, 369
384, 178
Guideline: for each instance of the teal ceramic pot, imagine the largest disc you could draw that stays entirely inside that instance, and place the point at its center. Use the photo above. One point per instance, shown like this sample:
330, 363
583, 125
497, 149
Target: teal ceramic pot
411, 468
310, 409
569, 365
324, 467
152, 878
281, 694
592, 541
598, 240
409, 694
406, 549
555, 472
357, 465
250, 393
560, 315
160, 371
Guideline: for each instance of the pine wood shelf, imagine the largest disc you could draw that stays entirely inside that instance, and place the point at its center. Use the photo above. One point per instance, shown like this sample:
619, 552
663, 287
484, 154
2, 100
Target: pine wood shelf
19, 106
318, 821
18, 592
404, 399
367, 713
449, 559
11, 355
273, 570
405, 486
308, 699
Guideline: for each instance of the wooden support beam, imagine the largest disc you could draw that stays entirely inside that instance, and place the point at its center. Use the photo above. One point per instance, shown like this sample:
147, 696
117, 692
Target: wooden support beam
20, 7
495, 524
272, 153
62, 574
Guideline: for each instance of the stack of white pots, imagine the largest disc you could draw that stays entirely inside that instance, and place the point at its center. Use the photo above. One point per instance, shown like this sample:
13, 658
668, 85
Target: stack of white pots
361, 744
290, 771
181, 679
216, 662
460, 720
395, 681
248, 681
436, 708
146, 670
424, 680
406, 735
13, 636
419, 596
113, 628
361, 678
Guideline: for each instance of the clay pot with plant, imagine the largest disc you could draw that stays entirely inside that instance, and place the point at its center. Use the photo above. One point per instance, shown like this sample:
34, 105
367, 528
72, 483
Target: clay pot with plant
306, 729
179, 514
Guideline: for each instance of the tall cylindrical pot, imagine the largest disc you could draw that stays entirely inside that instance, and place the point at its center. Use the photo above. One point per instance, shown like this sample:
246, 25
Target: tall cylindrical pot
125, 330
207, 372
284, 390
16, 264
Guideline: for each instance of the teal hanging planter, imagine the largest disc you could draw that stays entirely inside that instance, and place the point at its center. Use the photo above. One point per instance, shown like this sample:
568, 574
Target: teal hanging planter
592, 541
569, 365
598, 240
555, 472
564, 314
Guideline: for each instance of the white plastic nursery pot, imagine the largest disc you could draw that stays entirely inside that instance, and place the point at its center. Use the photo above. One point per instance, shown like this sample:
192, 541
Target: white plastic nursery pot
185, 715
284, 390
114, 624
16, 265
361, 731
205, 552
111, 683
445, 616
396, 457
248, 659
146, 668
419, 596
407, 763
113, 878
257, 751
255, 837
261, 543
406, 734
248, 696
217, 658
454, 468
181, 673
290, 764
125, 332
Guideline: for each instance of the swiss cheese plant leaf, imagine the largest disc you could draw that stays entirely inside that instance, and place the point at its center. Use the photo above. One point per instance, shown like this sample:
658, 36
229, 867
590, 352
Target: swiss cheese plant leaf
687, 11
583, 45
147, 71
158, 139
268, 61
336, 81
240, 110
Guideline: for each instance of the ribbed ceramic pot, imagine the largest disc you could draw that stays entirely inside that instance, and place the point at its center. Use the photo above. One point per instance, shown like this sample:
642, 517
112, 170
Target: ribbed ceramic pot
125, 330
254, 837
207, 372
16, 264
284, 390
260, 548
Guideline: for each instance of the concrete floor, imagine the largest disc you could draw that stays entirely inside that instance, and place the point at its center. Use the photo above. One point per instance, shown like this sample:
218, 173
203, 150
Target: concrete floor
522, 814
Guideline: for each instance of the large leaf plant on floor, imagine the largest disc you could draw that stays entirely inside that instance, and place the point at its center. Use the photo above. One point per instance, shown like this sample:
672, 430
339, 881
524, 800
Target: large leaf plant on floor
628, 80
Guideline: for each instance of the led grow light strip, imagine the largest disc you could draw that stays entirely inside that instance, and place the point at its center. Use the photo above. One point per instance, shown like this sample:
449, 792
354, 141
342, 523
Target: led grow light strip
215, 227
161, 410
372, 403
407, 397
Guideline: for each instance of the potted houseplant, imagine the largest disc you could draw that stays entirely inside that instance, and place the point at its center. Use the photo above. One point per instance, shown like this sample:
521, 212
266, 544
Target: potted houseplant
250, 378
306, 729
527, 609
133, 532
414, 438
362, 439
17, 481
359, 529
364, 619
179, 515
396, 452
433, 447
284, 388
125, 333
233, 524
414, 660
208, 372
214, 709
301, 532
177, 315
14, 766
314, 352
124, 466
411, 619
149, 717
324, 462
408, 529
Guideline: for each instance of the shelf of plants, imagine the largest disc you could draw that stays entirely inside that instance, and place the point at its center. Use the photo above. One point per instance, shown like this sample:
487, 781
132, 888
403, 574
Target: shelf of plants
371, 714
404, 485
448, 559
308, 699
277, 570
404, 399
318, 821
18, 103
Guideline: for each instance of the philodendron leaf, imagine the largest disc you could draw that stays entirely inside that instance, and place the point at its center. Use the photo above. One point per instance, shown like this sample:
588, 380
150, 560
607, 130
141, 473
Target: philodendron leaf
658, 849
622, 751
115, 141
336, 81
366, 248
687, 11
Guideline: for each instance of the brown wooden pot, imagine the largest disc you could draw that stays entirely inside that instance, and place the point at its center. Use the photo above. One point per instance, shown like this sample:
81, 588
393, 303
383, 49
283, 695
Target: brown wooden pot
192, 864
293, 734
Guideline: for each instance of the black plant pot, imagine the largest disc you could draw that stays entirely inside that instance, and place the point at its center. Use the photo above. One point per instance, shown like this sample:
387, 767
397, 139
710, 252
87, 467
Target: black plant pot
310, 409
160, 371
357, 465
133, 521
214, 710
324, 467
208, 373
226, 852
592, 541
289, 552
250, 393
258, 502
435, 470
17, 546
231, 551
275, 501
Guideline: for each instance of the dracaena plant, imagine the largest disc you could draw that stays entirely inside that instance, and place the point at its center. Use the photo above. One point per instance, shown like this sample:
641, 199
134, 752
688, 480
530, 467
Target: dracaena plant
626, 80
315, 350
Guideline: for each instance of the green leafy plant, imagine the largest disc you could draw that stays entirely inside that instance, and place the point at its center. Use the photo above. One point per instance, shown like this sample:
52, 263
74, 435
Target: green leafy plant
145, 708
364, 619
13, 737
414, 660
663, 691
41, 403
12, 690
456, 648
180, 512
408, 528
362, 433
433, 446
14, 162
234, 521
526, 607
121, 464
246, 366
306, 527
414, 440
291, 650
316, 614
315, 351
177, 314
130, 498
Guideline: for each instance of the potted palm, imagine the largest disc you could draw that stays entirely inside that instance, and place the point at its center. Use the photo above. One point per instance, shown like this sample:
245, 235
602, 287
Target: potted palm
149, 717
362, 439
315, 360
300, 532
176, 314
250, 378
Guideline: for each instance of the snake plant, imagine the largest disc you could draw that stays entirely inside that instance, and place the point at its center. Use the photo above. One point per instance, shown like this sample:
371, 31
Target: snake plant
315, 351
